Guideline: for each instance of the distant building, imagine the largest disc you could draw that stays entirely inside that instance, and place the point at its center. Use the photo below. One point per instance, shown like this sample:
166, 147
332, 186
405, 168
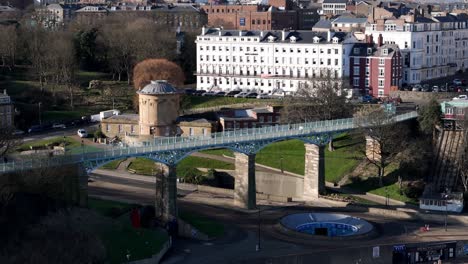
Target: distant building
269, 61
6, 110
349, 24
249, 118
333, 7
375, 69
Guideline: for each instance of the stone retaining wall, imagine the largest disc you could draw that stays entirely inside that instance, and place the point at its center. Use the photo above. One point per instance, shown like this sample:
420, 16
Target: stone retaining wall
409, 96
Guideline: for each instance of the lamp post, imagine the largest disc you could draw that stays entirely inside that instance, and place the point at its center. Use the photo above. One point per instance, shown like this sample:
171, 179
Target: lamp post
281, 164
257, 247
82, 149
446, 202
386, 196
40, 118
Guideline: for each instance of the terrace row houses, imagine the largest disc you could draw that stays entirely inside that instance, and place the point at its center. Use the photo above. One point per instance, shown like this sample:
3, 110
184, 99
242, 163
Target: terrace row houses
269, 61
432, 47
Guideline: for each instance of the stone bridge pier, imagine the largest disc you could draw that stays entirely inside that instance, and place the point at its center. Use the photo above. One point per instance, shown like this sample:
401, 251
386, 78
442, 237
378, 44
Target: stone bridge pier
314, 172
166, 192
244, 182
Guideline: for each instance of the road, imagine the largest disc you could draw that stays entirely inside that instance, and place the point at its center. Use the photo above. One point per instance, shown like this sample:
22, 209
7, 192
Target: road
238, 245
59, 132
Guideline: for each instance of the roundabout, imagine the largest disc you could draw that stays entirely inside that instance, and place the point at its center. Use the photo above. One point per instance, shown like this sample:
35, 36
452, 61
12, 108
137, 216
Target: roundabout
328, 225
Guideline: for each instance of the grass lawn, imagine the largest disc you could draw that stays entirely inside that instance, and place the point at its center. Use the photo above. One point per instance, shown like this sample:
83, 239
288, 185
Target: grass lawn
120, 238
72, 146
337, 163
355, 199
209, 227
212, 101
107, 207
146, 166
112, 165
219, 152
371, 185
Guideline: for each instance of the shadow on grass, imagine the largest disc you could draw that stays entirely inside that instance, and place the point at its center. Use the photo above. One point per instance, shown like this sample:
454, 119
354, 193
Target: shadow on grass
362, 186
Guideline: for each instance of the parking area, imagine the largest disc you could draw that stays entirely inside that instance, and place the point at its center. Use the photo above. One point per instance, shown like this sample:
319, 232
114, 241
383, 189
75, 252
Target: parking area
454, 83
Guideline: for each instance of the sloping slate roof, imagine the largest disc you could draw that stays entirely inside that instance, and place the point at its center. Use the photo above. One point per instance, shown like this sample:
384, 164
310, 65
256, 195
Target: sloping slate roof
350, 20
301, 36
323, 23
335, 1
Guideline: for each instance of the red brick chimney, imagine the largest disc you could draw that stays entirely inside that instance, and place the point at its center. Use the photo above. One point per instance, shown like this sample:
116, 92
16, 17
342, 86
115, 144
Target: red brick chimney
371, 39
380, 40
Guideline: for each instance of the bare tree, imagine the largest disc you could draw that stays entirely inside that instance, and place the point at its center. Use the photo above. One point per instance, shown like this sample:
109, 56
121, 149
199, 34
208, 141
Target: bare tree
462, 159
8, 141
8, 46
321, 98
37, 46
386, 137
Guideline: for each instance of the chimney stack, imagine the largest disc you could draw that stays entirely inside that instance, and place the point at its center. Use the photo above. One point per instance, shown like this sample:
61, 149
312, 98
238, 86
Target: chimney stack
4, 92
203, 30
371, 39
240, 33
380, 40
328, 36
283, 35
261, 33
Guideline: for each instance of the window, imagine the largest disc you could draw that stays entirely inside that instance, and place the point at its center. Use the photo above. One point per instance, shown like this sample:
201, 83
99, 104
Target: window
366, 82
356, 50
132, 129
381, 83
336, 62
367, 61
107, 128
120, 128
356, 82
204, 131
261, 119
381, 61
381, 72
270, 119
356, 70
367, 71
191, 132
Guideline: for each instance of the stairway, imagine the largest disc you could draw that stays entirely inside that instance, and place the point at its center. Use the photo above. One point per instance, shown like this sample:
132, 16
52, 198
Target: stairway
445, 173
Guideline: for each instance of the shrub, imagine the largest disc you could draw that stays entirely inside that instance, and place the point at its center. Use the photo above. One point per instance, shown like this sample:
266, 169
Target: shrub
98, 134
413, 189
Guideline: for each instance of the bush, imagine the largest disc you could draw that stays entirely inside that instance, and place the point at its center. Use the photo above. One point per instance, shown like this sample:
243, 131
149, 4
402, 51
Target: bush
192, 175
98, 134
413, 189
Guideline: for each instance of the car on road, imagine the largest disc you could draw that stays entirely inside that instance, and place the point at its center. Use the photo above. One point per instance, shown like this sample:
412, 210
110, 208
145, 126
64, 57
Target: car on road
435, 89
220, 94
241, 95
367, 99
189, 91
17, 132
416, 88
33, 129
457, 82
82, 133
59, 125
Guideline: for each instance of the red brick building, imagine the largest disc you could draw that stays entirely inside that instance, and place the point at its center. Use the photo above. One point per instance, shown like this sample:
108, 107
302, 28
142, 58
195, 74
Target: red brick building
249, 118
375, 69
251, 17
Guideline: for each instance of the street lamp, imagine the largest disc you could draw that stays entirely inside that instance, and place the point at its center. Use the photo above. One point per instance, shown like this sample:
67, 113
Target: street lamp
446, 202
40, 119
82, 149
257, 247
387, 198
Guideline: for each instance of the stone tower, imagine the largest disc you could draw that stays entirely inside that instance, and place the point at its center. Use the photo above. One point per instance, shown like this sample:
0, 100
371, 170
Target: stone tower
159, 109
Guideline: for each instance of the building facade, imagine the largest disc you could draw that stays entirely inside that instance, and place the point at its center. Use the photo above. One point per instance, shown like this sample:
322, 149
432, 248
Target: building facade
269, 61
6, 110
333, 7
375, 69
432, 47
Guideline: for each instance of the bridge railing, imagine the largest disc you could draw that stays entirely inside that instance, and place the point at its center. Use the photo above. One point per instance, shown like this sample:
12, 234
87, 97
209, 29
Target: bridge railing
216, 139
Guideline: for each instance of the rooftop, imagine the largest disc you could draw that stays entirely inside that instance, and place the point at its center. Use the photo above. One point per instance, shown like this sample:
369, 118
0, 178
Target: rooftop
158, 87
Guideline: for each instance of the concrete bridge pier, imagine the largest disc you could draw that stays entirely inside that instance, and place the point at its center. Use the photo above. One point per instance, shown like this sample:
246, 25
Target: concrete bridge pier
244, 184
314, 173
166, 192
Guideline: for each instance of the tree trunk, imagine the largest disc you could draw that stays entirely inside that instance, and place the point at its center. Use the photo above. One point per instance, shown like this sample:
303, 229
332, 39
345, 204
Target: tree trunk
330, 145
381, 175
72, 105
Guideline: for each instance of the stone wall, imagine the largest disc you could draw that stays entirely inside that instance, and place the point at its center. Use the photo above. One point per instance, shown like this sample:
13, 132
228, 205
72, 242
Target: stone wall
409, 96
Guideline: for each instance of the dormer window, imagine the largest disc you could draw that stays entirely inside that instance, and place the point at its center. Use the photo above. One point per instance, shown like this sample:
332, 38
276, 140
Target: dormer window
292, 39
271, 38
316, 39
335, 40
369, 51
384, 51
356, 51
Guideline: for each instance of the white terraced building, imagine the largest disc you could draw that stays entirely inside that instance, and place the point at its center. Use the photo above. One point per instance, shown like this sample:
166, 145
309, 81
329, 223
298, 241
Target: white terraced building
432, 47
269, 61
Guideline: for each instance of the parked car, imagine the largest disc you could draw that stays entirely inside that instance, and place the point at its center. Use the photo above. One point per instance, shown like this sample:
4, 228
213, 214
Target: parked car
264, 96
416, 88
463, 82
367, 99
232, 93
59, 125
461, 97
220, 94
457, 82
199, 92
17, 132
435, 89
443, 89
241, 95
33, 129
82, 133
251, 95
190, 91
208, 94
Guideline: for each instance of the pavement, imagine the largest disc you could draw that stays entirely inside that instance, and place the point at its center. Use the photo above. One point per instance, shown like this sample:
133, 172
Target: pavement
241, 238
